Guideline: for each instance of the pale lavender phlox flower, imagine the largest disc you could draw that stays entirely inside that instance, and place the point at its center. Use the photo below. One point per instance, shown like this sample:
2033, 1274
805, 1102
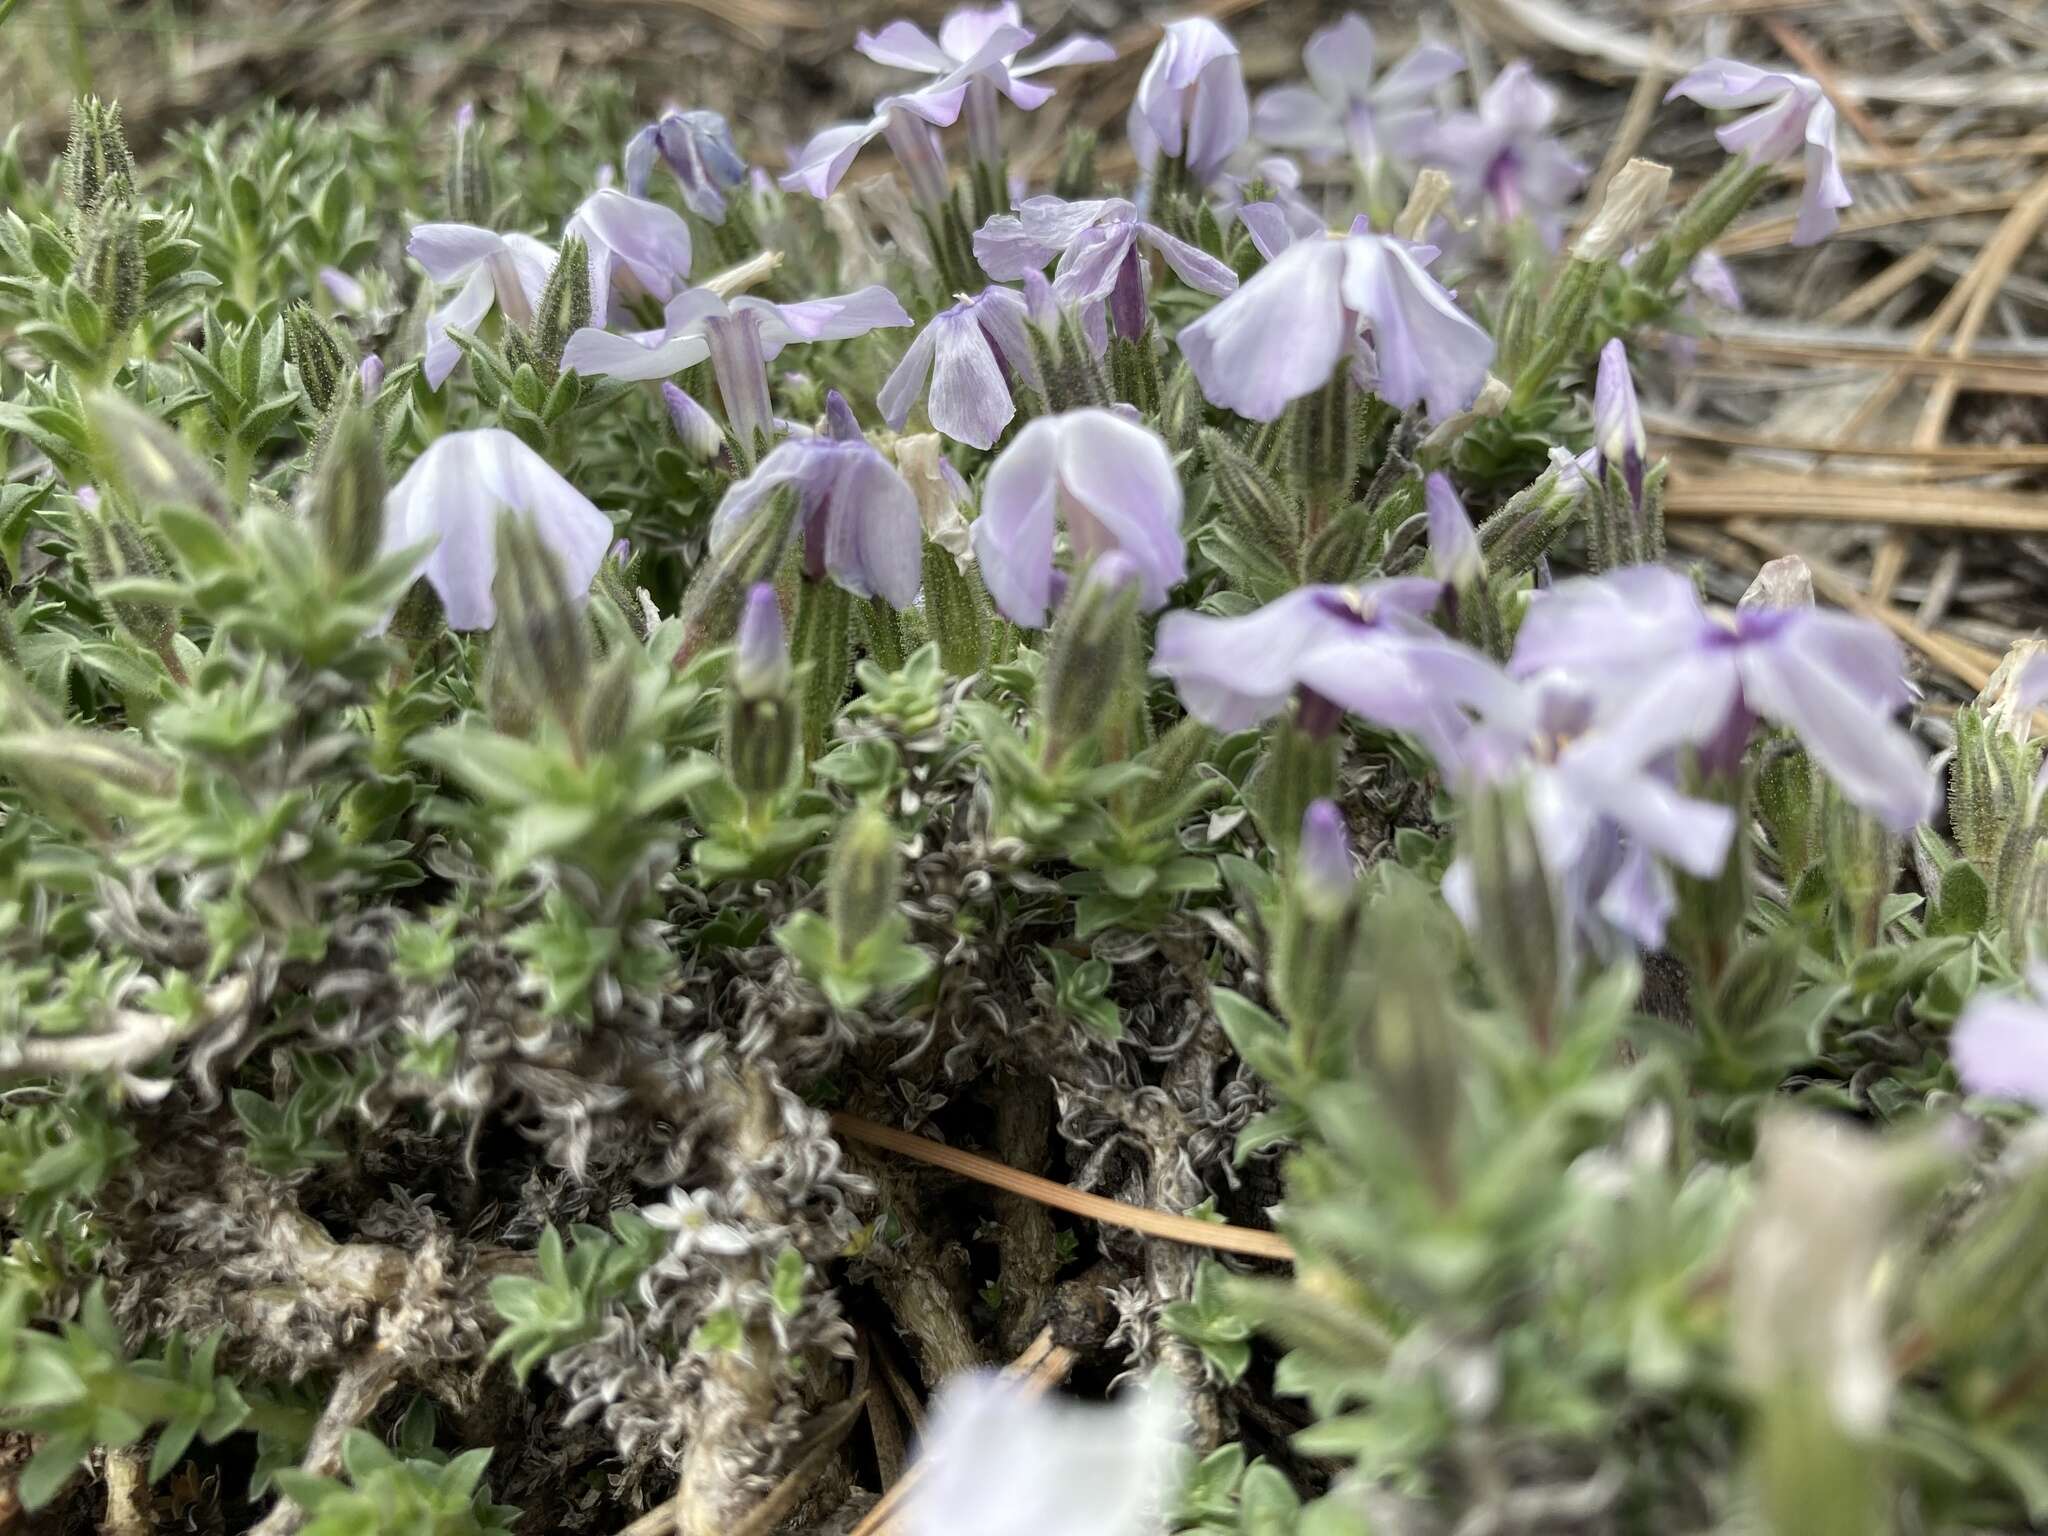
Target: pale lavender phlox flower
1503, 157
1109, 481
1343, 109
698, 148
997, 1459
1618, 433
1282, 334
908, 119
2000, 1044
1191, 103
684, 339
637, 249
1278, 218
972, 354
1713, 279
856, 515
1795, 117
454, 494
1590, 760
1832, 679
508, 271
350, 297
1369, 650
1097, 243
962, 44
1454, 554
760, 663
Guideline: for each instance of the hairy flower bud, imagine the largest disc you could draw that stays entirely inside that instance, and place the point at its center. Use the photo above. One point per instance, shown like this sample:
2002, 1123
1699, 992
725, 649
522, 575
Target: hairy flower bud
540, 632
696, 427
370, 375
347, 502
116, 551
1520, 927
863, 878
763, 723
97, 163
711, 606
564, 307
110, 267
152, 461
318, 352
1409, 1033
467, 186
1095, 648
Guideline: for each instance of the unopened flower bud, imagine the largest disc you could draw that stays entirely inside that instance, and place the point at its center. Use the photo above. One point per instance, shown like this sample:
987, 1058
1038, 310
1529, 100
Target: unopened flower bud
110, 266
118, 551
370, 375
696, 427
97, 162
347, 503
320, 355
711, 607
862, 882
1324, 871
1408, 1038
152, 461
609, 708
1076, 175
760, 667
1094, 650
540, 633
1862, 857
840, 422
468, 183
1617, 420
1454, 554
763, 718
1519, 929
350, 297
1633, 197
564, 307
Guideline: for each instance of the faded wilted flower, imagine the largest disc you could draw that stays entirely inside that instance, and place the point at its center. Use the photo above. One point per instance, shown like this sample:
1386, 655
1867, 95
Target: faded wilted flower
1191, 104
454, 494
1344, 110
1795, 117
1000, 1460
1109, 481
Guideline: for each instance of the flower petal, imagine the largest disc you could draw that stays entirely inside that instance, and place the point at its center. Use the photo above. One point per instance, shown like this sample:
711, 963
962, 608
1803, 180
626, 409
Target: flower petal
1013, 536
1278, 337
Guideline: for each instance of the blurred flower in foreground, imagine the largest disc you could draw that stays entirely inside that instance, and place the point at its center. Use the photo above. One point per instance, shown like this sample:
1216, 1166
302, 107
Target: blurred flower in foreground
1191, 104
1344, 110
999, 1460
2000, 1044
454, 494
1830, 678
1110, 482
1503, 157
1795, 117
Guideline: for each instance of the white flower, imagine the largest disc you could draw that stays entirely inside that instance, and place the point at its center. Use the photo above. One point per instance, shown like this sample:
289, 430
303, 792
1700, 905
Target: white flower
1001, 1461
455, 493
